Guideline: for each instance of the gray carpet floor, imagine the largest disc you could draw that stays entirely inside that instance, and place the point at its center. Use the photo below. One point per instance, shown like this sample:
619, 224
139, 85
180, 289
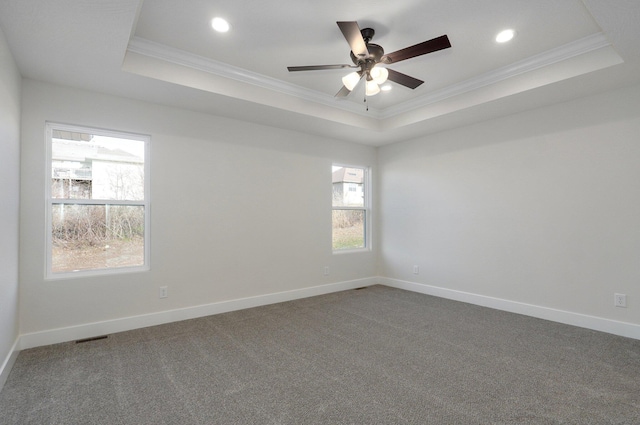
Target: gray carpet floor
371, 356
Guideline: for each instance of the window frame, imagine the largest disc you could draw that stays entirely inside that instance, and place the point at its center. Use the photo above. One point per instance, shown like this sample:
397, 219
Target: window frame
50, 202
366, 208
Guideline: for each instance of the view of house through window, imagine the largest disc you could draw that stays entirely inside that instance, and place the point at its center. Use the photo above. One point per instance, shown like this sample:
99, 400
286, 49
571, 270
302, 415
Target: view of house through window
349, 208
97, 209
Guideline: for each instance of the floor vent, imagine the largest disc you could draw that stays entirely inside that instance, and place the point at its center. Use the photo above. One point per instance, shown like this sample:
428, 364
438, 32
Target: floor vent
95, 338
358, 289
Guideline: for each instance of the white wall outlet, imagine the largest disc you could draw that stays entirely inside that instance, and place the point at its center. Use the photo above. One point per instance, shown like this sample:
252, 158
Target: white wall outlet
164, 292
620, 300
416, 269
326, 270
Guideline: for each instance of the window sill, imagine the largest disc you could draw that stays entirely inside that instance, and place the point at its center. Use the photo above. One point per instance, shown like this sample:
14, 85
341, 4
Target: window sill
351, 251
95, 272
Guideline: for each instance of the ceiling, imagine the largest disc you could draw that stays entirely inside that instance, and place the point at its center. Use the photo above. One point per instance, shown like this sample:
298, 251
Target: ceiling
164, 51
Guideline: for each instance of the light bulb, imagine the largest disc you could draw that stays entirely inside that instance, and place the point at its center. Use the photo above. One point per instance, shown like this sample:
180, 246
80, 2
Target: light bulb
505, 36
379, 74
372, 88
350, 80
220, 24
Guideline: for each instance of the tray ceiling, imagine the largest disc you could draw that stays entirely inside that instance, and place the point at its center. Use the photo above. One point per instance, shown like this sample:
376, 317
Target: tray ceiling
166, 51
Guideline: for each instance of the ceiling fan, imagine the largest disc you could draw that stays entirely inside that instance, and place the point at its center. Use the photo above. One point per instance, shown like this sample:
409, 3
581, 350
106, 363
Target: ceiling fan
366, 56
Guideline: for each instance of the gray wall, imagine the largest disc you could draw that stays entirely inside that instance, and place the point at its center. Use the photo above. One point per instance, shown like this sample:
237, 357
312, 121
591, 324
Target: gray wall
10, 82
237, 210
537, 209
540, 208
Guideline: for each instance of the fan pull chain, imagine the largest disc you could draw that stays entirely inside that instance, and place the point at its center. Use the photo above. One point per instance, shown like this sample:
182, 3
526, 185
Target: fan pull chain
365, 102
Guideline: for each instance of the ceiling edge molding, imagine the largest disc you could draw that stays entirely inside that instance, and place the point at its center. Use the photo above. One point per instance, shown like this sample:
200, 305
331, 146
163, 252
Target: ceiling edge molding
159, 51
556, 55
179, 57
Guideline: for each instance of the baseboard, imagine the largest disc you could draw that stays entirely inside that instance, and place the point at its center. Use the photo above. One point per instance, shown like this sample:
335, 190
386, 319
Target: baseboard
55, 336
625, 329
5, 369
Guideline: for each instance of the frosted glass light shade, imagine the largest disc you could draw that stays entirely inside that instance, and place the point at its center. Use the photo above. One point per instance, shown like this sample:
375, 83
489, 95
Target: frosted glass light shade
350, 80
379, 74
372, 88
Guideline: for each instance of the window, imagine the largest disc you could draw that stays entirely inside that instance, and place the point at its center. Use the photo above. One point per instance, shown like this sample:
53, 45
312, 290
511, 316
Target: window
350, 219
98, 201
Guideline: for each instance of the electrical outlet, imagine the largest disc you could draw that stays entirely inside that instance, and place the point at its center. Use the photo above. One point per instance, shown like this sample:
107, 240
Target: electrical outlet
326, 270
620, 300
416, 270
164, 292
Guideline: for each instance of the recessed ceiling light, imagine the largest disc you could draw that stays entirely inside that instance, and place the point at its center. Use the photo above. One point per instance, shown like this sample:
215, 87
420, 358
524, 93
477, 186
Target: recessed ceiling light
386, 87
220, 24
505, 36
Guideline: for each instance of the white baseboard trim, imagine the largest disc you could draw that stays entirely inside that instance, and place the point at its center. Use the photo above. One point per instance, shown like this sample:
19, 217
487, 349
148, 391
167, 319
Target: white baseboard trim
54, 336
88, 330
7, 364
625, 329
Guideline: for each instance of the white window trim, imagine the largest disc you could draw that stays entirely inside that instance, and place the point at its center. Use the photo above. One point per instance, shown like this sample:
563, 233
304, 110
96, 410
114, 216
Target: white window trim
366, 178
146, 203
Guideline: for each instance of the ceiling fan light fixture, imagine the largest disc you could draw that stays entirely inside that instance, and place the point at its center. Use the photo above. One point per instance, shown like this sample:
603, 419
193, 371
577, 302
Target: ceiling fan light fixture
372, 88
379, 74
350, 80
366, 56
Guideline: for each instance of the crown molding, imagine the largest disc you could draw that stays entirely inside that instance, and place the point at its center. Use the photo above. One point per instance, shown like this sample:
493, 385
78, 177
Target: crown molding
180, 57
162, 52
550, 57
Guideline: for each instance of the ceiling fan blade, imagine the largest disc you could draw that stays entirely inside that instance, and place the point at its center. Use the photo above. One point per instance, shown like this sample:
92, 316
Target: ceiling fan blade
403, 79
351, 32
344, 92
423, 48
318, 67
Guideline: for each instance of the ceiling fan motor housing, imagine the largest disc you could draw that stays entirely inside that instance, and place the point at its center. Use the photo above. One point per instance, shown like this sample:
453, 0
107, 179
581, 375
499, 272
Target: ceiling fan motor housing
376, 53
366, 64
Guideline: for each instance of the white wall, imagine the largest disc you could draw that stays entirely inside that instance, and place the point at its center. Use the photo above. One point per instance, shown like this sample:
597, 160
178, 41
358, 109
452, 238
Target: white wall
10, 82
238, 210
540, 208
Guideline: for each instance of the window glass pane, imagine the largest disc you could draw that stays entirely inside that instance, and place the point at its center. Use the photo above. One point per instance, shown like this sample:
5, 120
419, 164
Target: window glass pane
86, 166
87, 237
348, 229
348, 187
